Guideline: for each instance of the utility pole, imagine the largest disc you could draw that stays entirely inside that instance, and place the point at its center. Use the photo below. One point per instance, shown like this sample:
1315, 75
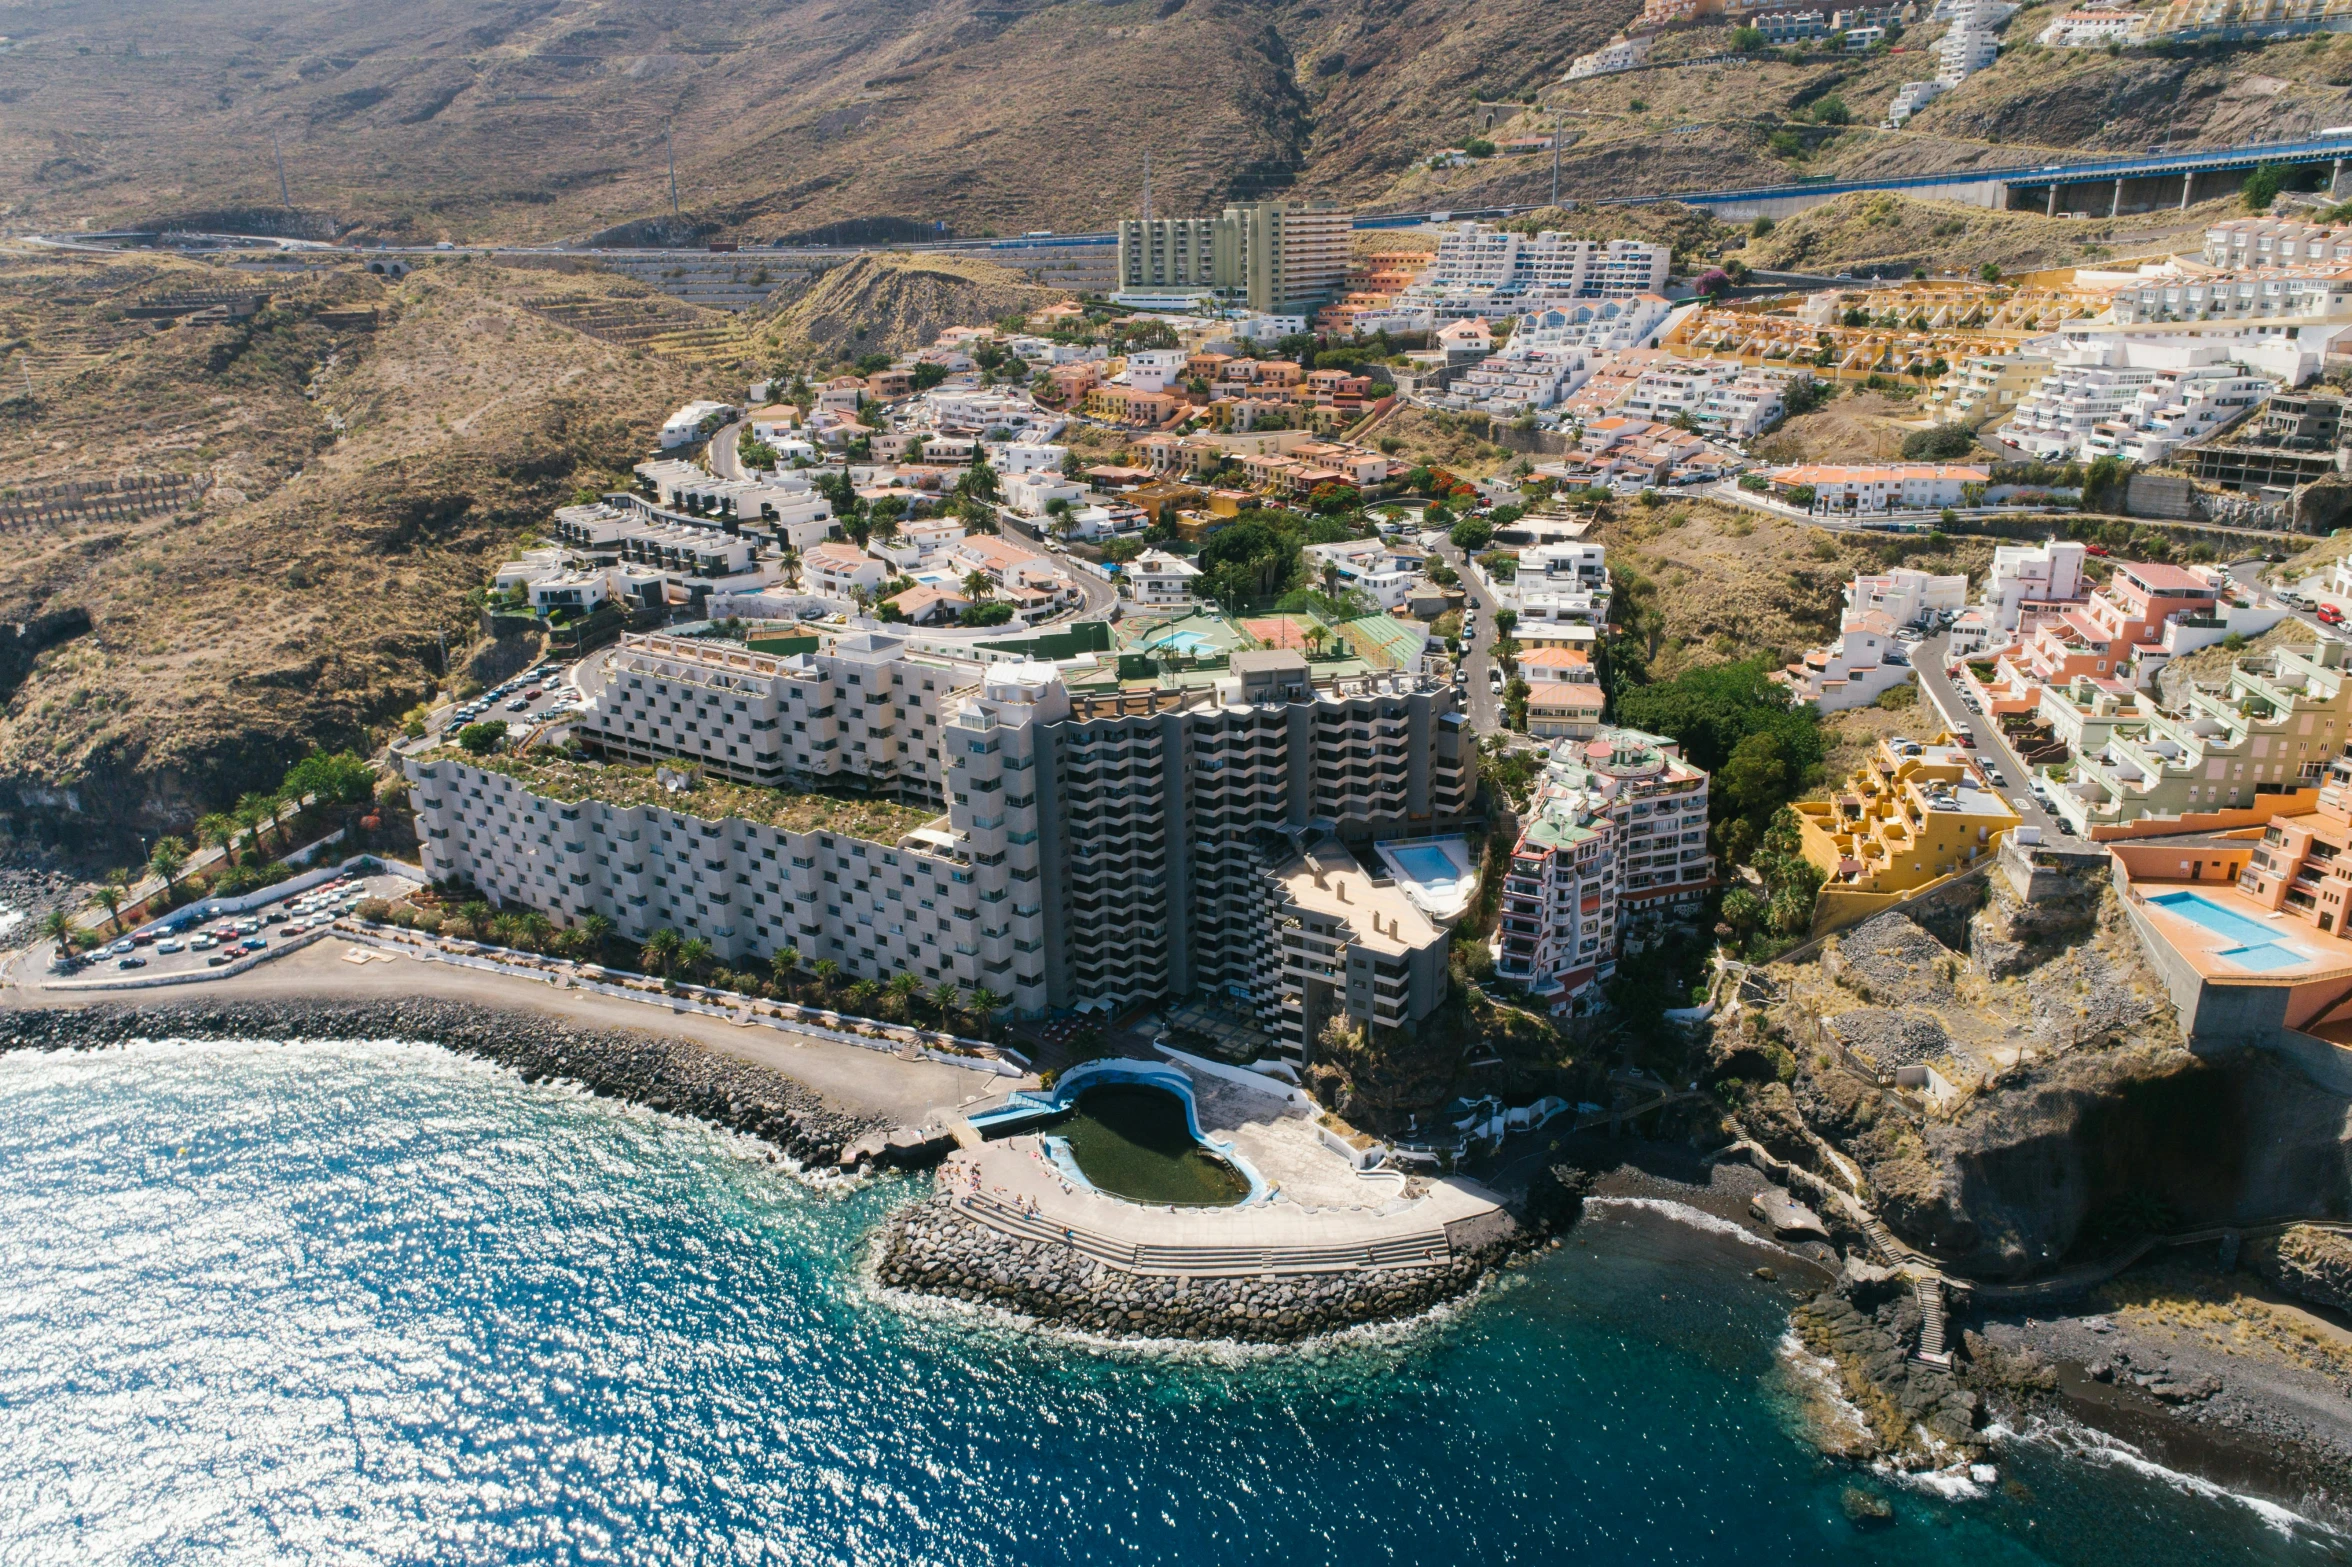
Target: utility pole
285, 198
669, 142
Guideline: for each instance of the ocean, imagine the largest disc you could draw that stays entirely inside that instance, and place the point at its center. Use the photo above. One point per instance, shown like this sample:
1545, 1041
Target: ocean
364, 1302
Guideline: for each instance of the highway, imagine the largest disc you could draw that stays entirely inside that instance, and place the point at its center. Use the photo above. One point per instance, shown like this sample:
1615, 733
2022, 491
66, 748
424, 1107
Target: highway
1943, 697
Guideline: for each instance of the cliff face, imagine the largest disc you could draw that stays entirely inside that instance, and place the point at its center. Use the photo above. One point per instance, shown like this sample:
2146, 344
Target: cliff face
2064, 1113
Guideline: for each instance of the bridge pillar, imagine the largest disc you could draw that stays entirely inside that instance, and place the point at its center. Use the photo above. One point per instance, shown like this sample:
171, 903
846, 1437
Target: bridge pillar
2188, 187
2051, 210
2115, 207
2335, 176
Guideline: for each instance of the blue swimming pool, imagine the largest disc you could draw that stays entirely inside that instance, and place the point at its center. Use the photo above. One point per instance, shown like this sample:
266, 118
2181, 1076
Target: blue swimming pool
2261, 959
2215, 918
1430, 866
1190, 643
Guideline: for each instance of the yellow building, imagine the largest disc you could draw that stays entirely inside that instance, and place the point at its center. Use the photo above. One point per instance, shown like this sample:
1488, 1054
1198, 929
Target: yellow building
1908, 818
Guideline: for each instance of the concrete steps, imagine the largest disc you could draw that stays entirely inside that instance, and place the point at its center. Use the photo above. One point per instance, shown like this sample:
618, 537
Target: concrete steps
1929, 1289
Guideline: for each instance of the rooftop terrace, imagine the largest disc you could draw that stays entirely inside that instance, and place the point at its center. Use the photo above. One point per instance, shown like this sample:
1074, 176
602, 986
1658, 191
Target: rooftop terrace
711, 799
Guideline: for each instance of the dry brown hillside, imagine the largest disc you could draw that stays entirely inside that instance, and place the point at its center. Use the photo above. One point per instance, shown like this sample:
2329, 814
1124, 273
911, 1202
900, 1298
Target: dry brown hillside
1703, 582
360, 484
894, 303
544, 118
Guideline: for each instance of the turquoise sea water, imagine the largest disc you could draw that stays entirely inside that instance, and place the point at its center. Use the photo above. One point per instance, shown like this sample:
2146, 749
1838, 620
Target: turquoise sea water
378, 1303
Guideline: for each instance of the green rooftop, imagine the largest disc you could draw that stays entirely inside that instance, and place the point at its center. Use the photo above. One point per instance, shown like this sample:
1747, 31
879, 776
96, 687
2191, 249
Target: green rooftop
711, 799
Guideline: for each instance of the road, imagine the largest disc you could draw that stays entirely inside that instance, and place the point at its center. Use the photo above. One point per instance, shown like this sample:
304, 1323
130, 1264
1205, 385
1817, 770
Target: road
1486, 708
1098, 595
1927, 660
723, 458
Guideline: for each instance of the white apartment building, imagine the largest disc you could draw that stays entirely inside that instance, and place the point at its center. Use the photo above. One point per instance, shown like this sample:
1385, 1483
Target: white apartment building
1158, 580
841, 571
1614, 844
2029, 583
1865, 661
684, 427
1741, 408
2092, 29
1882, 487
2178, 408
2265, 291
1907, 596
1623, 54
1010, 458
1481, 270
1092, 852
2240, 244
1383, 572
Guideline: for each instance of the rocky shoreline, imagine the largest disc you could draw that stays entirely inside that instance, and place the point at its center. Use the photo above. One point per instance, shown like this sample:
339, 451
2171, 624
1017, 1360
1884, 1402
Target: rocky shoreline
667, 1074
933, 1248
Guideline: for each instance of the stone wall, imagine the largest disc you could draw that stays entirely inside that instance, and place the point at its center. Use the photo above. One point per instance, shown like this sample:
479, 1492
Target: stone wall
934, 1248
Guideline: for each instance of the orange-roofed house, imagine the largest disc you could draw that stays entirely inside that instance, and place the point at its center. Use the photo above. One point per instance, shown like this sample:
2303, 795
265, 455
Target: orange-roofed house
925, 605
1564, 697
1882, 487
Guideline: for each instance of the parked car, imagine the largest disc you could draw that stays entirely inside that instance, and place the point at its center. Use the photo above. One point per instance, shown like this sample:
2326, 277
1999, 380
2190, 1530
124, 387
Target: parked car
171, 946
203, 944
2329, 615
218, 958
133, 961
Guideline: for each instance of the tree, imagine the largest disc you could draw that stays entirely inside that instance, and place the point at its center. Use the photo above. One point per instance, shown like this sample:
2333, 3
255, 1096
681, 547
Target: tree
594, 931
903, 989
944, 997
1755, 778
978, 587
168, 858
1990, 272
58, 926
483, 738
1832, 110
254, 811
1472, 534
661, 950
341, 779
861, 996
2263, 185
109, 896
1940, 444
786, 966
1747, 40
984, 1005
218, 831
694, 957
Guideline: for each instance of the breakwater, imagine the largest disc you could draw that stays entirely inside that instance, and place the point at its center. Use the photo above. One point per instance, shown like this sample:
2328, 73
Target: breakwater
934, 1248
673, 1075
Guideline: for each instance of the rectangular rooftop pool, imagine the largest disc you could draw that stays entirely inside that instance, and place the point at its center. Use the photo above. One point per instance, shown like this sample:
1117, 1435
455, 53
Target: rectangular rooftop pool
2222, 922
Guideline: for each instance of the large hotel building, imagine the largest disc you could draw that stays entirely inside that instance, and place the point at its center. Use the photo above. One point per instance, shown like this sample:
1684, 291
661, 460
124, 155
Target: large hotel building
1089, 851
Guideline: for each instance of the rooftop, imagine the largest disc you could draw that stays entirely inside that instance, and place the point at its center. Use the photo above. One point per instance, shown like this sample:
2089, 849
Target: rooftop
711, 799
1328, 881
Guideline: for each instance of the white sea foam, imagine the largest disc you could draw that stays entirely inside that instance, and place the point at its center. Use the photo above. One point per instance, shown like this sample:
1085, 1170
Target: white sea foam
1817, 1379
2101, 1447
1696, 1218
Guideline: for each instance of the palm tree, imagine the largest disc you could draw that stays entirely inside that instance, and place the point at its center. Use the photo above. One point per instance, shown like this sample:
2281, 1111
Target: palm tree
507, 930
58, 926
168, 859
984, 1005
594, 932
977, 587
861, 996
661, 950
827, 971
109, 896
536, 928
255, 809
786, 964
944, 997
694, 955
903, 988
217, 831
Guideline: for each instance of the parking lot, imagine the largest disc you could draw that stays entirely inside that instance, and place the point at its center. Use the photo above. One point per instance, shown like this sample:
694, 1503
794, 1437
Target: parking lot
534, 697
197, 943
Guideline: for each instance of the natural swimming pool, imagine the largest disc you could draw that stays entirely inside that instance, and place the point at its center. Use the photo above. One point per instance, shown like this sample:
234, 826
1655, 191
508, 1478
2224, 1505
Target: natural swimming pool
1132, 1140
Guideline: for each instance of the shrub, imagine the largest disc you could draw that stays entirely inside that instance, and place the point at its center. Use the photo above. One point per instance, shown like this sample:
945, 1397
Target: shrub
483, 738
1941, 444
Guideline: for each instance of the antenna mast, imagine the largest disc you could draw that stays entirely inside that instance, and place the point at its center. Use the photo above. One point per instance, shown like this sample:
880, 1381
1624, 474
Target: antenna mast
670, 143
284, 198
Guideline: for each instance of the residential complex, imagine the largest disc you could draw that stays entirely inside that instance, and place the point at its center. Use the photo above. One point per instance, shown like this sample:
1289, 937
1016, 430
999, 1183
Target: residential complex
1912, 815
1093, 850
1481, 270
1270, 255
1614, 846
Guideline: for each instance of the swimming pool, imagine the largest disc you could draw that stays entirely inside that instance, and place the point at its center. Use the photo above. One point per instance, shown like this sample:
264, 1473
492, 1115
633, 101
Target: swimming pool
1427, 864
1190, 643
2215, 918
2258, 950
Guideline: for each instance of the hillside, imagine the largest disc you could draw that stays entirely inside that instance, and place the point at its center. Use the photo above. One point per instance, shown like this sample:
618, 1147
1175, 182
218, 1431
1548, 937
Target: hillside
556, 118
546, 119
355, 486
893, 304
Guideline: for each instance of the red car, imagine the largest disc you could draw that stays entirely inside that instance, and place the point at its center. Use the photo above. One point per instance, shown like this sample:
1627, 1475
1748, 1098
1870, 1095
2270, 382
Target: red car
2329, 615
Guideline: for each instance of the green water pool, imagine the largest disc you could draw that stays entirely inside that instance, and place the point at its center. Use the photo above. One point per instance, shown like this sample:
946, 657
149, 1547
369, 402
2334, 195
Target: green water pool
1132, 1141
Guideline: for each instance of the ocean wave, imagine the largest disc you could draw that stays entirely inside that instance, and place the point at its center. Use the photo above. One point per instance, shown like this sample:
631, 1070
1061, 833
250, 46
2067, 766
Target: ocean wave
2092, 1445
1696, 1218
